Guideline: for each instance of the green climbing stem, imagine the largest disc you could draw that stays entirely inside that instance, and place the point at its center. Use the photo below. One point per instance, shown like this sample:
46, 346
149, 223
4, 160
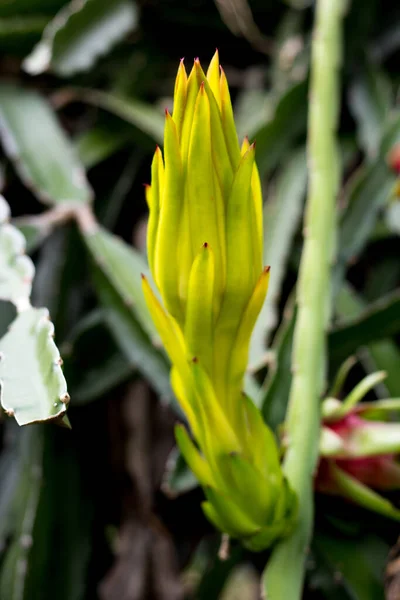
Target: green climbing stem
285, 572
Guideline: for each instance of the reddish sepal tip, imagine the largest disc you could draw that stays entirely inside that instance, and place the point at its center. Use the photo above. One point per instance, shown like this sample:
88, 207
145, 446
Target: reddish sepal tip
393, 158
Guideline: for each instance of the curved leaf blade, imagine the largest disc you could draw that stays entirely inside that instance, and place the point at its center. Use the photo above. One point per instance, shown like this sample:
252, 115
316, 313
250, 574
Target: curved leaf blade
117, 281
144, 117
281, 220
81, 33
379, 320
42, 154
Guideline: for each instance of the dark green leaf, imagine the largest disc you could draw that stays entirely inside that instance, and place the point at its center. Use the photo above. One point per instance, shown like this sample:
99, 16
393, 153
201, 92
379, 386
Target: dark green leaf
100, 142
40, 150
131, 338
23, 7
379, 320
178, 478
281, 219
12, 576
9, 474
369, 189
216, 573
19, 33
80, 33
276, 387
61, 279
252, 109
118, 283
143, 117
93, 364
108, 207
53, 478
123, 267
392, 216
358, 564
35, 231
288, 122
68, 486
370, 102
377, 356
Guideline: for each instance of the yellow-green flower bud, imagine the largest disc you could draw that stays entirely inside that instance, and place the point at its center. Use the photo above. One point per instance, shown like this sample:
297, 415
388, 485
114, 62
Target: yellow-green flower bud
204, 246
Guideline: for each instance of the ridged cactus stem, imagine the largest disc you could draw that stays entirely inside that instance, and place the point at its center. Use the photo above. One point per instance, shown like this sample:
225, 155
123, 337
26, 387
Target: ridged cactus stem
285, 572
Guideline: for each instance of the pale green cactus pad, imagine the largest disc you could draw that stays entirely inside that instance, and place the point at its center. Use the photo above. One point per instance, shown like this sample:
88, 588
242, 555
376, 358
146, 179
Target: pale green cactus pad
16, 269
32, 384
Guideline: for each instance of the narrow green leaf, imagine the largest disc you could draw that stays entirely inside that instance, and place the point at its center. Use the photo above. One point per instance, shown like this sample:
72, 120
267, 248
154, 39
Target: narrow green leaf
18, 27
370, 103
24, 7
40, 150
276, 387
110, 203
32, 384
278, 134
69, 483
281, 219
363, 495
123, 266
253, 107
34, 232
392, 217
132, 339
16, 269
118, 283
100, 142
386, 43
144, 117
30, 481
369, 189
379, 320
61, 272
357, 563
9, 473
79, 34
93, 364
377, 356
55, 471
209, 572
178, 478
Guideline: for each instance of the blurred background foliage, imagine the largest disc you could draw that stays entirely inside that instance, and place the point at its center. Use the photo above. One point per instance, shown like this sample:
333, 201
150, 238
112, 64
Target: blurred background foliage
109, 510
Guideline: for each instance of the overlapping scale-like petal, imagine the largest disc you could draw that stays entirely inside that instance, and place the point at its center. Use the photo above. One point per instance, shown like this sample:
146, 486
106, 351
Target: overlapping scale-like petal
204, 245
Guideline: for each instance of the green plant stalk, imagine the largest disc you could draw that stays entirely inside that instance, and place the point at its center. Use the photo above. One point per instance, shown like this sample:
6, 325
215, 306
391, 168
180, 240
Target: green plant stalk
285, 572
